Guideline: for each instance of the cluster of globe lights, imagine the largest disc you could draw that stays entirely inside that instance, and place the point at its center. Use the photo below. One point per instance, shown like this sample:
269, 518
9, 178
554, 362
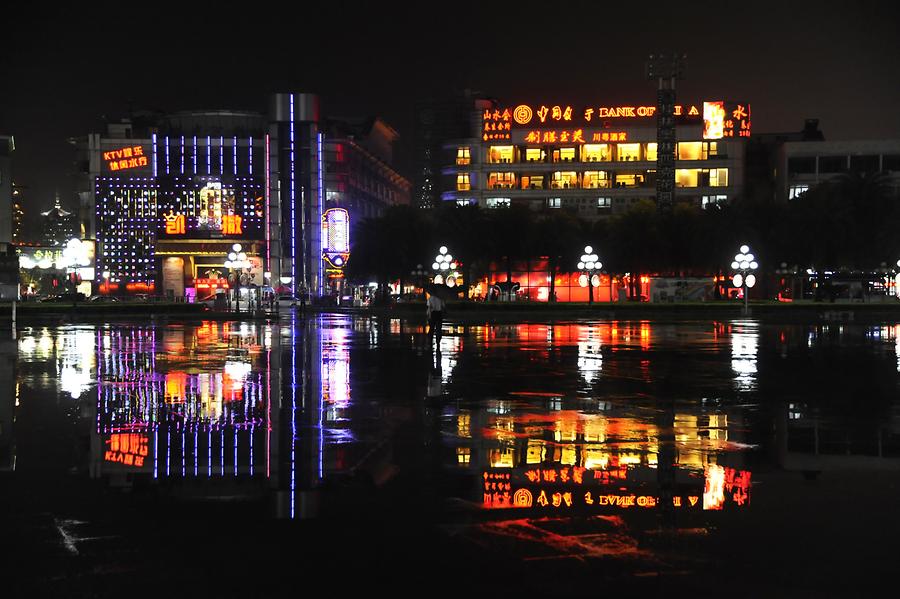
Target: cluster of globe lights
237, 258
443, 261
744, 261
589, 260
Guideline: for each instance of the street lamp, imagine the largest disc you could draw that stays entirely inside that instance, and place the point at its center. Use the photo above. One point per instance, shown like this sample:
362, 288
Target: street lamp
589, 263
442, 265
419, 273
744, 264
237, 262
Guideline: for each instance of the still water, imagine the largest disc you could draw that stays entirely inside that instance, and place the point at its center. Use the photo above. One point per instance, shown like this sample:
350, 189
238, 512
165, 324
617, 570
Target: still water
740, 455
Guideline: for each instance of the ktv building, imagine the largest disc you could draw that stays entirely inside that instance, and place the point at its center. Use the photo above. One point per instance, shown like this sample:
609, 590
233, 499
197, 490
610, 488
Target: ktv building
595, 160
168, 198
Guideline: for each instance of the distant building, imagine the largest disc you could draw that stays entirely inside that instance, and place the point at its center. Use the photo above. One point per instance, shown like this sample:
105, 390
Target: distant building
18, 214
593, 160
805, 164
7, 147
58, 226
438, 121
167, 197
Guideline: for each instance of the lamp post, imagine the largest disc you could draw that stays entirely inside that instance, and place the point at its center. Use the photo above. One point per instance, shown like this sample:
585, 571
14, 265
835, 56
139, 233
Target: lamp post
236, 263
419, 274
442, 265
743, 266
589, 263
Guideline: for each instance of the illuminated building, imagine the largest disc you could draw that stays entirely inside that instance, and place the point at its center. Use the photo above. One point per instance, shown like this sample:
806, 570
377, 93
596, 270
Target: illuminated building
7, 189
594, 160
18, 214
167, 196
58, 225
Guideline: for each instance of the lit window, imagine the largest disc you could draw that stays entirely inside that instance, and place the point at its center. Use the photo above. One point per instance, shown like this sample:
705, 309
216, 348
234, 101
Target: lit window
501, 180
718, 177
498, 154
595, 179
554, 203
532, 181
707, 201
651, 151
564, 155
462, 182
629, 179
687, 177
796, 191
595, 153
710, 149
564, 180
690, 150
604, 202
497, 202
463, 156
628, 152
535, 155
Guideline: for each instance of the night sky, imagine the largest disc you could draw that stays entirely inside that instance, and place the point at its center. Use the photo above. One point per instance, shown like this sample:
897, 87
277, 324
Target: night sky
65, 70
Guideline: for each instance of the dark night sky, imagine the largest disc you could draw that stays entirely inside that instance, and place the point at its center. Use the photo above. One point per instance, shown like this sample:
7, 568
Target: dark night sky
65, 69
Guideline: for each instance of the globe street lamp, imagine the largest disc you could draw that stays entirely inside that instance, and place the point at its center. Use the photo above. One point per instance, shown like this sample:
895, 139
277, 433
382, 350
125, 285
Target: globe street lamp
442, 265
237, 262
744, 265
588, 264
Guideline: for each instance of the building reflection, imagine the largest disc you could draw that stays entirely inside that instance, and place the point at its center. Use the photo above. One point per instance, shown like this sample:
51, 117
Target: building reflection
570, 459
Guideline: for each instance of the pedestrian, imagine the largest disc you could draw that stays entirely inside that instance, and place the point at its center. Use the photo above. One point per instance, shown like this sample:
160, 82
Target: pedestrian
434, 309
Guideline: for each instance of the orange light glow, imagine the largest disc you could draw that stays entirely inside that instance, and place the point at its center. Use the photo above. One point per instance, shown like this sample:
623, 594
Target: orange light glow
125, 158
231, 224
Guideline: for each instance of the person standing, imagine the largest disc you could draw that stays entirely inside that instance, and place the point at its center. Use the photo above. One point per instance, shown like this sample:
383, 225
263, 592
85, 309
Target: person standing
435, 308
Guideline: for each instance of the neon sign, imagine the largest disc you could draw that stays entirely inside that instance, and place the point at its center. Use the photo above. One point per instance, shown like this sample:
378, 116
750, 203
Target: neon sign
525, 115
574, 136
496, 124
125, 158
175, 223
336, 237
231, 224
128, 449
721, 119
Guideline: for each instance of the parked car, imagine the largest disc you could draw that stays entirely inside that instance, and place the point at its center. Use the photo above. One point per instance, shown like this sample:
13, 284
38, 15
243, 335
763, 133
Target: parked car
103, 299
64, 297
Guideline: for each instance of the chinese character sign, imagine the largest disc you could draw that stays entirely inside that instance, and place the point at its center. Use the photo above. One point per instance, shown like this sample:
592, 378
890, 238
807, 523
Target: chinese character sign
125, 158
231, 224
175, 224
713, 120
127, 449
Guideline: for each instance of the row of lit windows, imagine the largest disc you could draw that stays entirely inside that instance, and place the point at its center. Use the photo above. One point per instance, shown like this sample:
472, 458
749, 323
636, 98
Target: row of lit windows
601, 204
622, 152
684, 177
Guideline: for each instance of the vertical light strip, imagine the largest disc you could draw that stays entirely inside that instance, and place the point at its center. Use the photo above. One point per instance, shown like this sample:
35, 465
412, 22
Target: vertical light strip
250, 154
208, 155
209, 452
222, 155
167, 154
266, 214
318, 222
154, 157
293, 402
195, 154
234, 153
293, 209
182, 154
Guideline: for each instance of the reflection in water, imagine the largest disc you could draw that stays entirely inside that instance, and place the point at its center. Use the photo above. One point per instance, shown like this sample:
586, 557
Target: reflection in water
590, 360
744, 349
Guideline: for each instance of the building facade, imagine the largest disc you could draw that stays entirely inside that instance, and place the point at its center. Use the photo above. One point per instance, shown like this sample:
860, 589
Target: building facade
804, 164
168, 199
595, 160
